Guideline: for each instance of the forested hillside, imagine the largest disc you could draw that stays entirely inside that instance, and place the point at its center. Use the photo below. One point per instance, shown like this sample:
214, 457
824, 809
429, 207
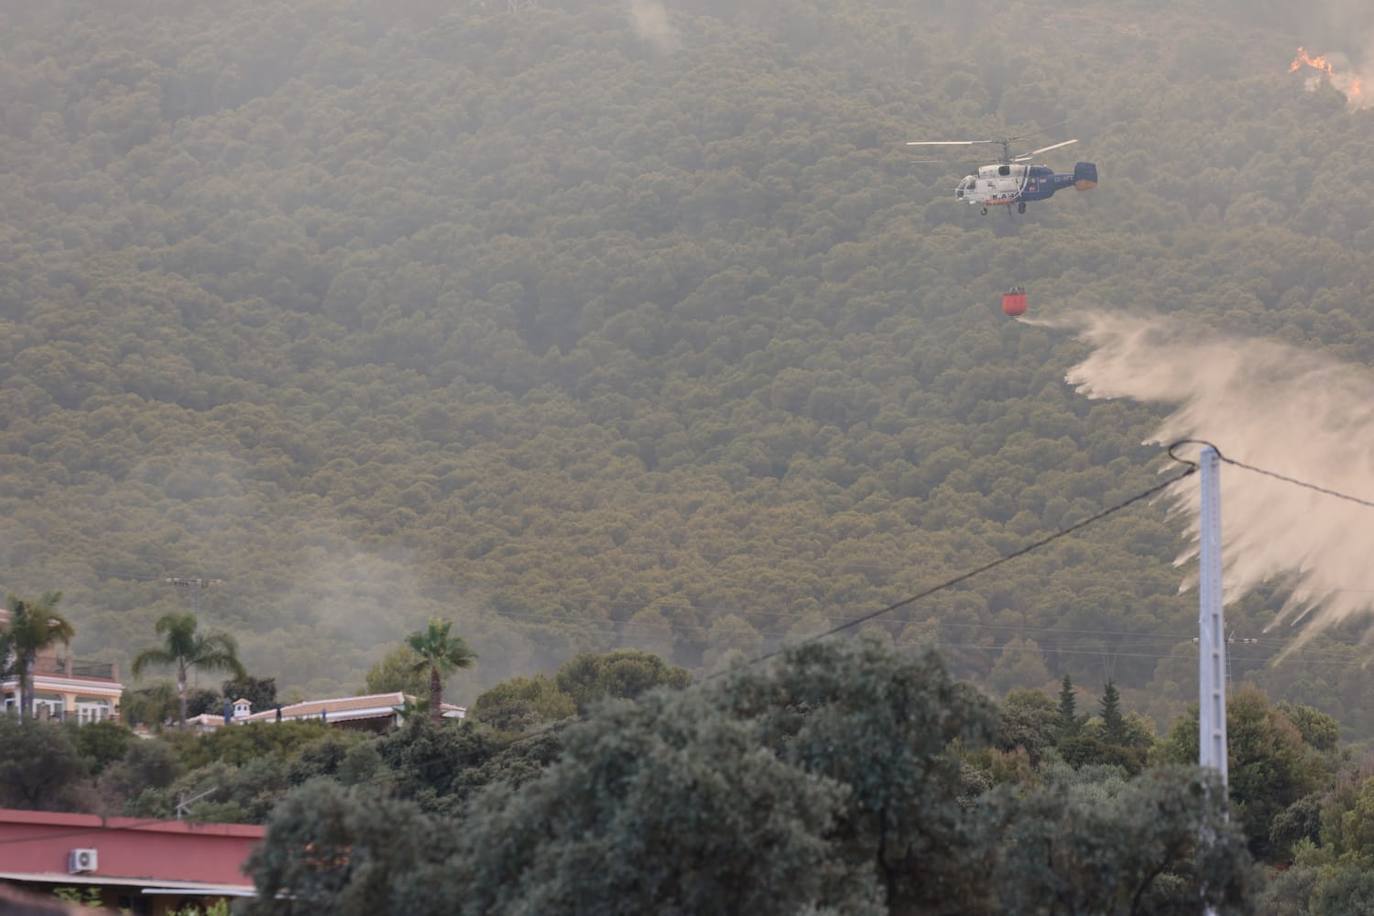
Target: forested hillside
588, 326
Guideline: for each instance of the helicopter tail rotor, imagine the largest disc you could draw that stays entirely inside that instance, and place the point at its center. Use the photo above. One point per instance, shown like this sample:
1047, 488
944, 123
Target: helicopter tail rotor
1085, 176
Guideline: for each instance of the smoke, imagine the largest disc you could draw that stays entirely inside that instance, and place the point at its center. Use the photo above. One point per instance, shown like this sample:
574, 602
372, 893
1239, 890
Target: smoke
650, 21
1274, 406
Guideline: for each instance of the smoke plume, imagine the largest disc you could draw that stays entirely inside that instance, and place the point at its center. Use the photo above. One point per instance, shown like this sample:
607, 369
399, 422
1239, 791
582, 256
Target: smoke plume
650, 21
1274, 406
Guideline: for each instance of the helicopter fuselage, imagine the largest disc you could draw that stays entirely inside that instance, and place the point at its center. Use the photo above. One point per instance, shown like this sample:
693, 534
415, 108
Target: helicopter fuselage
1006, 184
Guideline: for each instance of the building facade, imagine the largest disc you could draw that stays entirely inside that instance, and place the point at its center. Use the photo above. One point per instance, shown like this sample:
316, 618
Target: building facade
69, 689
136, 866
64, 687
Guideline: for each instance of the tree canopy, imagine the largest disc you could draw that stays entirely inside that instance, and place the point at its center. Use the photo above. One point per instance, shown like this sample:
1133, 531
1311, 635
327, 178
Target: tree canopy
854, 776
842, 778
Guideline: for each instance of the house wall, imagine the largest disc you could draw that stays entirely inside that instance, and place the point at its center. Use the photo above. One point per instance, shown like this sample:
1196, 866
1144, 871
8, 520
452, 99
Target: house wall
37, 842
83, 699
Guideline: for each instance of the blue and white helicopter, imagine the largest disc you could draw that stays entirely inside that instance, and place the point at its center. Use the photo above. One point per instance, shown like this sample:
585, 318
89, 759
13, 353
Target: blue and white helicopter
1013, 181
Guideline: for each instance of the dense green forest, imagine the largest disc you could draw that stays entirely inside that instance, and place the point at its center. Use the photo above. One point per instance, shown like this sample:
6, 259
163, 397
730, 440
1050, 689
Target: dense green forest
587, 328
842, 777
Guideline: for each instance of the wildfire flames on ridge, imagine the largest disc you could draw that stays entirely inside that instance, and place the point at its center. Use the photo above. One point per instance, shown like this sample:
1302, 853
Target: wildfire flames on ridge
1348, 84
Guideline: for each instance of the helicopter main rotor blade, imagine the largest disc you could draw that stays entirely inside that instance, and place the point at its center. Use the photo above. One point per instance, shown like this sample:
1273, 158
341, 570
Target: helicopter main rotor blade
1043, 149
948, 142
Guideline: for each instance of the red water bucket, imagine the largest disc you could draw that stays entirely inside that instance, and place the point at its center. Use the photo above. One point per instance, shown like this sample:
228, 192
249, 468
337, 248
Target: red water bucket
1014, 302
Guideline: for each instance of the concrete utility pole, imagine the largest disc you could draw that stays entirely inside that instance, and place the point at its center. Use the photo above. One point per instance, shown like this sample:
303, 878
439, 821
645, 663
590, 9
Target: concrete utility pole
1212, 668
1211, 623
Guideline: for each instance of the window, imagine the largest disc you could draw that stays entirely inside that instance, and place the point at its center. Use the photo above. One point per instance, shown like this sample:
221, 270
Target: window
1004, 170
95, 711
49, 706
46, 708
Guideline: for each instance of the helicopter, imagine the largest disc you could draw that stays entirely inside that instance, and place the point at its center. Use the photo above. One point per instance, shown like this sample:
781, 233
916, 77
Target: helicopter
1011, 180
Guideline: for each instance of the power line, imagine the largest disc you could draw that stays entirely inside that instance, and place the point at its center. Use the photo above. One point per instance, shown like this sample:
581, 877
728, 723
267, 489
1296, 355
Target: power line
37, 837
986, 567
611, 626
948, 583
200, 584
1265, 471
194, 586
1128, 647
1300, 483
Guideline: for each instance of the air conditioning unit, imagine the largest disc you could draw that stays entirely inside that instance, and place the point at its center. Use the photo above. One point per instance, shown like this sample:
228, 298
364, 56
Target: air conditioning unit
81, 860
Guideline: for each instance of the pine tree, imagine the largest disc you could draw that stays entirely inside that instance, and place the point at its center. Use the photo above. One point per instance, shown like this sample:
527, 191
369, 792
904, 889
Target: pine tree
1113, 722
1068, 707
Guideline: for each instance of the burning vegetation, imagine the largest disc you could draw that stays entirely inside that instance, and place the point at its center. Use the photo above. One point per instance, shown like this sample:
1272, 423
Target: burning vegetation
1348, 84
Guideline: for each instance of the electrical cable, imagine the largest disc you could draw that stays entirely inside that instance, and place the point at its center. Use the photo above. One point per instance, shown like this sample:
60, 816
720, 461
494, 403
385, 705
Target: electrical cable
1310, 656
947, 584
60, 835
963, 577
986, 567
1301, 483
1265, 471
942, 586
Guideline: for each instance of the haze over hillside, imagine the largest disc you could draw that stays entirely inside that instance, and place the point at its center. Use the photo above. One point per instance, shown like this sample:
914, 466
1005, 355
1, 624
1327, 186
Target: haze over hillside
605, 323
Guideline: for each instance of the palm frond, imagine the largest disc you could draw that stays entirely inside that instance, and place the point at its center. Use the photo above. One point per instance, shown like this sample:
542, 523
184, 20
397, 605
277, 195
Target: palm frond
179, 632
218, 652
216, 660
157, 656
36, 625
438, 649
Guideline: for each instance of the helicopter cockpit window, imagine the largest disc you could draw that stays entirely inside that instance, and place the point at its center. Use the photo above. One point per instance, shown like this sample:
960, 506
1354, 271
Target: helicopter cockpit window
1004, 170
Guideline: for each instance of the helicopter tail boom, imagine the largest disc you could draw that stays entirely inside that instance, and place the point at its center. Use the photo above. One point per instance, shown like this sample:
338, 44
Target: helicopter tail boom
1085, 176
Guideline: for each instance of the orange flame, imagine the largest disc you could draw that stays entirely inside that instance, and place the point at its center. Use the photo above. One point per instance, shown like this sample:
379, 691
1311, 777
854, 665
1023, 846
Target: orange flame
1316, 63
1350, 85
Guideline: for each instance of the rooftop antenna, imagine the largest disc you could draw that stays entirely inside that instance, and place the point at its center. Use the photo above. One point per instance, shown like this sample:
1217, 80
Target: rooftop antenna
183, 806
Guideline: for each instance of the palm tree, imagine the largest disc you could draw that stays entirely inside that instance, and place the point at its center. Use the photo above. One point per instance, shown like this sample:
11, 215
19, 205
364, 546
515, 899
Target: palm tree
34, 626
183, 647
440, 654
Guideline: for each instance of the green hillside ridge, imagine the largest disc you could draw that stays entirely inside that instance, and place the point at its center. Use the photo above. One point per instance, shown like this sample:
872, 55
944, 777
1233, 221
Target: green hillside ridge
387, 311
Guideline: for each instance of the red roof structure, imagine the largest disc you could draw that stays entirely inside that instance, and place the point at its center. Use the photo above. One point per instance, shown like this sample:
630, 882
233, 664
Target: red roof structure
127, 858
